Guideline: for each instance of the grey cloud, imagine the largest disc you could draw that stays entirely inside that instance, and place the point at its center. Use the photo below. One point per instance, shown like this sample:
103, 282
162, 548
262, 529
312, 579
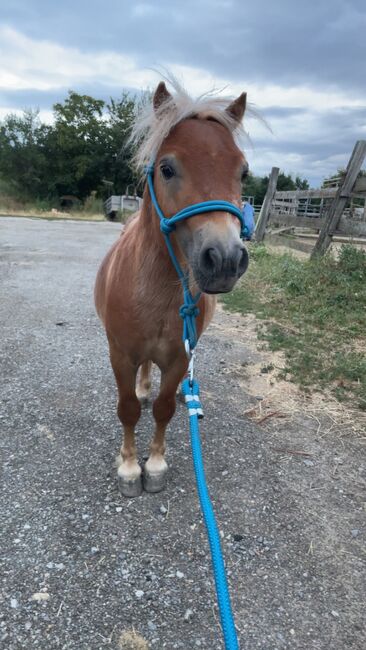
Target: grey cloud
320, 44
332, 137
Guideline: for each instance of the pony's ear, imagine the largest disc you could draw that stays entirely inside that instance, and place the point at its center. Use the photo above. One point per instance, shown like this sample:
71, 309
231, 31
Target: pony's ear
237, 108
161, 95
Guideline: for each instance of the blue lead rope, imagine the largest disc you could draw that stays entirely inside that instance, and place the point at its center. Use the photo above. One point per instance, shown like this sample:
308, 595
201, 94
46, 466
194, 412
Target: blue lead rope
190, 389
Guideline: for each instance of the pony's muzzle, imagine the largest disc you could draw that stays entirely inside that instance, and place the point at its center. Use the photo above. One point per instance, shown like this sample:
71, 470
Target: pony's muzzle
219, 266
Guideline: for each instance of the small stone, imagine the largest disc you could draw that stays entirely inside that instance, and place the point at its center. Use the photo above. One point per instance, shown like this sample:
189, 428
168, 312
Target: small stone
225, 472
334, 613
28, 625
308, 463
151, 626
179, 575
163, 510
13, 603
259, 398
188, 615
355, 532
94, 550
40, 596
292, 631
118, 509
139, 593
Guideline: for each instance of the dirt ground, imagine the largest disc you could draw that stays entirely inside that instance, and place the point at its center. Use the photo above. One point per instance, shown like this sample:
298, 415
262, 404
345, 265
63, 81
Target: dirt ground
83, 568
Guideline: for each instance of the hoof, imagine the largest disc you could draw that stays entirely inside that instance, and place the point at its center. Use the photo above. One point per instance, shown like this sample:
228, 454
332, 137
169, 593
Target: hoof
130, 487
154, 482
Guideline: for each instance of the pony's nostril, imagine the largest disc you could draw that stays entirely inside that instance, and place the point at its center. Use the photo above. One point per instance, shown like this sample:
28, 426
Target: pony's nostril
212, 260
243, 262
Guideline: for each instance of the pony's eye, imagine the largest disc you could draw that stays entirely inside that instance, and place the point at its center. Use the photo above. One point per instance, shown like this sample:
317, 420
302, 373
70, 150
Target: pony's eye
244, 173
167, 172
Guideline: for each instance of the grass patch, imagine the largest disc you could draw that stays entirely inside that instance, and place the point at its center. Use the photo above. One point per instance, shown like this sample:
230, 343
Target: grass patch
91, 210
313, 311
12, 205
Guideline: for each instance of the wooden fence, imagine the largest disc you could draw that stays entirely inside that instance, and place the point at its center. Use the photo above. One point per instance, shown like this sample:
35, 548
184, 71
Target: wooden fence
339, 208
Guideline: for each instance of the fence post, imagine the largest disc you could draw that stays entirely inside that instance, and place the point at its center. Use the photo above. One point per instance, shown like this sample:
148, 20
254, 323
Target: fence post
340, 199
261, 225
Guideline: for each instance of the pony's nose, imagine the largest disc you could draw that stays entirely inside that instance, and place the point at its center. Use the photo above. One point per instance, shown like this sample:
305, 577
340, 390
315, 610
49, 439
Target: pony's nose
215, 261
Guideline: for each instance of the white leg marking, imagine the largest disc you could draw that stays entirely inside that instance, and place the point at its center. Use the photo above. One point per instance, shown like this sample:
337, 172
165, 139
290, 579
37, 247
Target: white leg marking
156, 464
128, 469
143, 391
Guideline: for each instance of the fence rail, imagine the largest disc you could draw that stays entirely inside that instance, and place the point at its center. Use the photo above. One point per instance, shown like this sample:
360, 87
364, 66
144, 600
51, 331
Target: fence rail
329, 210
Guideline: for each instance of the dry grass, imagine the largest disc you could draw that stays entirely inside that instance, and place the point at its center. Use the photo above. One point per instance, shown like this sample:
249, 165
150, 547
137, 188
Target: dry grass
50, 215
130, 640
284, 400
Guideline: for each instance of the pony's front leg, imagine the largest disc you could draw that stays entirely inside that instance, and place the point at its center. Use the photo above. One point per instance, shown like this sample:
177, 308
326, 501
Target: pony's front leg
129, 411
155, 470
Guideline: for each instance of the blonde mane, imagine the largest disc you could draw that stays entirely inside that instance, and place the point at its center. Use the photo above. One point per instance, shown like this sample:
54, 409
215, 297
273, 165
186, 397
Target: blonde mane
152, 126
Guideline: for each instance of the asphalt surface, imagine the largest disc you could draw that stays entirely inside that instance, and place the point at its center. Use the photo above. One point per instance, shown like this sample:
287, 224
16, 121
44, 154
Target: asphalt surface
80, 565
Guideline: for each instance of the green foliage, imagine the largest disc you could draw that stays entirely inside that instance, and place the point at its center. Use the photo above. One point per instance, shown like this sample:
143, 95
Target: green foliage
85, 145
315, 311
257, 186
93, 204
23, 161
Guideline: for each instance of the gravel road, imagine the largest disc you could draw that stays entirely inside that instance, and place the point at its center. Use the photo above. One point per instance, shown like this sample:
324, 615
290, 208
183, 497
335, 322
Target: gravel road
81, 567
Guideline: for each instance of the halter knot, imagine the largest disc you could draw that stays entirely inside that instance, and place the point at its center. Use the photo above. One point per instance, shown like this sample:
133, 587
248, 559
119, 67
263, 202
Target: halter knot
166, 226
188, 310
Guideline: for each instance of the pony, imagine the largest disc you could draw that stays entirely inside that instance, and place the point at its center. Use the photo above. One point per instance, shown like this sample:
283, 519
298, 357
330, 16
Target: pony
193, 146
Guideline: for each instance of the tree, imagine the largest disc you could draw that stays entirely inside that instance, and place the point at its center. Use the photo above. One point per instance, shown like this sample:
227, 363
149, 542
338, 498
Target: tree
23, 162
77, 145
121, 114
257, 186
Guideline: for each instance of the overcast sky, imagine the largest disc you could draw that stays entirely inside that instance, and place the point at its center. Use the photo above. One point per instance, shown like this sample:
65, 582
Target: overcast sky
302, 64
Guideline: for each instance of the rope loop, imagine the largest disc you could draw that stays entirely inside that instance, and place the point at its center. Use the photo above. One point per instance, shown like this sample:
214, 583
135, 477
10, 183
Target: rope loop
166, 226
188, 310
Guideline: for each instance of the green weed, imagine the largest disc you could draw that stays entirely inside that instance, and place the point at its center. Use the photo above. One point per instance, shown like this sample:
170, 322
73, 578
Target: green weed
313, 311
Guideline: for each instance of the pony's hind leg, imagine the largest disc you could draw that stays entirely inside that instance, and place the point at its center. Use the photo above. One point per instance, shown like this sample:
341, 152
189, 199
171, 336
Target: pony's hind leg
129, 410
143, 386
155, 470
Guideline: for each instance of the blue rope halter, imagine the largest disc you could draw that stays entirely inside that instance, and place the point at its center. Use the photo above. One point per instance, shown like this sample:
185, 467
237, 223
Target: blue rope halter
189, 310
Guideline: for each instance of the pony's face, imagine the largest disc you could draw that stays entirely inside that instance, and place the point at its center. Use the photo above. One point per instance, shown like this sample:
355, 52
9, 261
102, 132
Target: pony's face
199, 161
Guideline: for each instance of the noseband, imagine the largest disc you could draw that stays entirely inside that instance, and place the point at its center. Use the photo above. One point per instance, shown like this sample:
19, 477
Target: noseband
189, 310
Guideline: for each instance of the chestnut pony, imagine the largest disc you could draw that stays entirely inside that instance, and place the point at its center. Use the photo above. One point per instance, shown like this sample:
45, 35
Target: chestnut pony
137, 291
